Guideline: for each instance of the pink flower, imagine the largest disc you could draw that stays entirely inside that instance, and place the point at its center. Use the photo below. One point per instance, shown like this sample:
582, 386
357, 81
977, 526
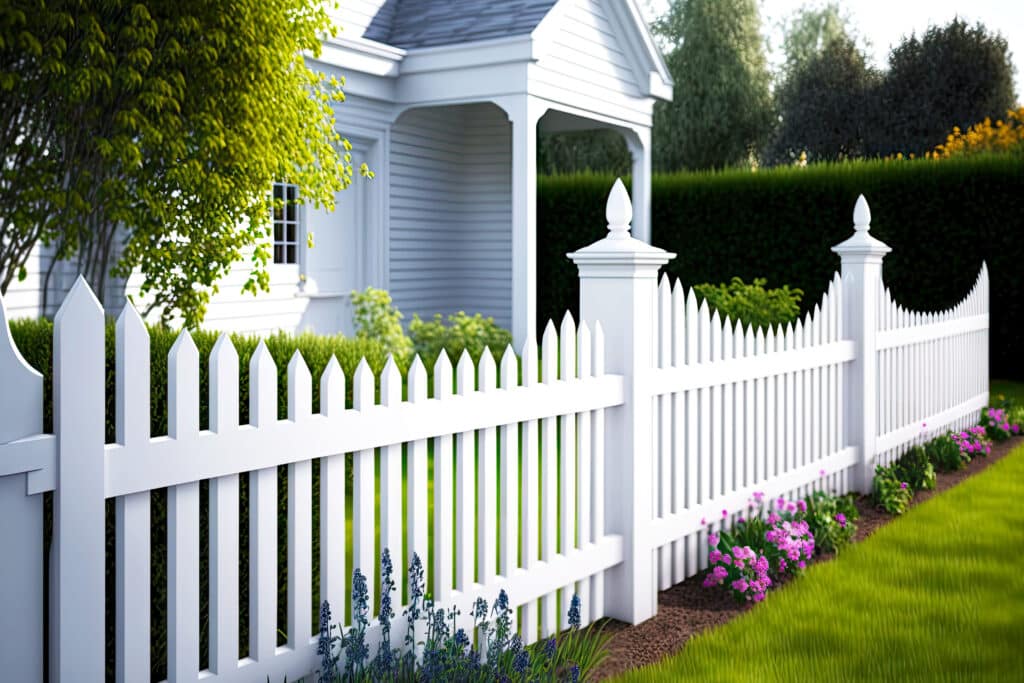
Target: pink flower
758, 597
703, 521
739, 585
802, 564
715, 556
725, 513
801, 506
821, 473
712, 540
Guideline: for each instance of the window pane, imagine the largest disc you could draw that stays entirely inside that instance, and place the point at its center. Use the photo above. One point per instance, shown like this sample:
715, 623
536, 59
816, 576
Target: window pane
278, 213
291, 254
278, 232
291, 212
292, 192
291, 233
278, 253
278, 191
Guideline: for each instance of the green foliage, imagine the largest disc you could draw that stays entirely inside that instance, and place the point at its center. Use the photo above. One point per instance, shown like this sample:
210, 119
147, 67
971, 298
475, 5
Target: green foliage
375, 318
831, 520
916, 469
807, 32
891, 493
598, 150
827, 105
752, 304
721, 107
955, 75
942, 219
463, 332
171, 119
945, 454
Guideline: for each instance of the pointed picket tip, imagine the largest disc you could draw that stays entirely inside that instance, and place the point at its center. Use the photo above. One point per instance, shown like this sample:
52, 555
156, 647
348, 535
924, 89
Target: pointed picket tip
223, 347
262, 386
568, 325
362, 385
487, 371
332, 388
184, 344
417, 379
128, 318
549, 331
300, 388
297, 363
691, 299
79, 298
677, 288
509, 368
861, 215
664, 282
716, 319
390, 382
465, 374
223, 384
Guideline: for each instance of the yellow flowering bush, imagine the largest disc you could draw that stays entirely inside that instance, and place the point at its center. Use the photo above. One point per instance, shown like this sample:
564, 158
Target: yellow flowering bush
1003, 136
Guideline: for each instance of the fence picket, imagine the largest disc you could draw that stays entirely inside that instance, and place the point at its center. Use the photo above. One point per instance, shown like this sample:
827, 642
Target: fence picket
487, 489
567, 456
132, 513
530, 538
548, 479
391, 534
262, 514
333, 577
364, 535
300, 512
444, 491
465, 483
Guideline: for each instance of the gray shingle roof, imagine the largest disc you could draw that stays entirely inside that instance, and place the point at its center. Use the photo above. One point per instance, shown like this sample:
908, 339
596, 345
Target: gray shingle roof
427, 23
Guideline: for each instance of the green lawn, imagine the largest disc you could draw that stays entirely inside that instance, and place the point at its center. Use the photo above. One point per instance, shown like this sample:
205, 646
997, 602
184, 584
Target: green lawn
937, 595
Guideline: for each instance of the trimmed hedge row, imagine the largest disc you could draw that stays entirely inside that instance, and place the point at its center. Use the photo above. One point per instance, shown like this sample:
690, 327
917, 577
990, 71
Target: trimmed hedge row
35, 341
942, 219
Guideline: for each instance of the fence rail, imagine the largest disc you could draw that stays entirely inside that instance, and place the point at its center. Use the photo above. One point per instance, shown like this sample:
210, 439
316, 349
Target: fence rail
595, 464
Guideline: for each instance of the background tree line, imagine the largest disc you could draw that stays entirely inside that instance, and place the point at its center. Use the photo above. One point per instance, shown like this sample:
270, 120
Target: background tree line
825, 100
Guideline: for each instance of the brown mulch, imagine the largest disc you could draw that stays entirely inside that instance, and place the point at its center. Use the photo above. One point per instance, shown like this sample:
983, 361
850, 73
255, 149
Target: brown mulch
688, 608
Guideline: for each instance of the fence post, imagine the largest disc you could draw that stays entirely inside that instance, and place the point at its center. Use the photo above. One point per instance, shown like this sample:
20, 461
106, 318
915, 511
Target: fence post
618, 288
79, 518
21, 520
861, 257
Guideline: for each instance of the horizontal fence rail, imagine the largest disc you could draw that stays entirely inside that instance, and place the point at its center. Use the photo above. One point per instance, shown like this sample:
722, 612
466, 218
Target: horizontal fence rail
593, 464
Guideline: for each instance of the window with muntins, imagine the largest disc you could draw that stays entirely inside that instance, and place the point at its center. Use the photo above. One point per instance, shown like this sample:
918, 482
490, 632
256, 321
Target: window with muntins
285, 216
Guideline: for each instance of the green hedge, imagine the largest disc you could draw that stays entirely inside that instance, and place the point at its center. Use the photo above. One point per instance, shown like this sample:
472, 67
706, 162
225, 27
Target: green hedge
940, 218
35, 341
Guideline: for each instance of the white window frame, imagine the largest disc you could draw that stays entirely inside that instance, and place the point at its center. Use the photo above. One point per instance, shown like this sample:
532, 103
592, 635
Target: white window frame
279, 218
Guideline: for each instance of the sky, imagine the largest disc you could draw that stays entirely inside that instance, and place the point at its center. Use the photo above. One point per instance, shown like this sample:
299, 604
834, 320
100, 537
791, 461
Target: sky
885, 22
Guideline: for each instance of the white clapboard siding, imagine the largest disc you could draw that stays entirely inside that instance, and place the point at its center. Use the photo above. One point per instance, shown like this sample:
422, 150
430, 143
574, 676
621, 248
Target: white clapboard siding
450, 212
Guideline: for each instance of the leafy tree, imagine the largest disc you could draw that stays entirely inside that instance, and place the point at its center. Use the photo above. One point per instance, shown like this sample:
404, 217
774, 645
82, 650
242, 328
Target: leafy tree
955, 75
169, 120
597, 150
827, 105
809, 30
721, 107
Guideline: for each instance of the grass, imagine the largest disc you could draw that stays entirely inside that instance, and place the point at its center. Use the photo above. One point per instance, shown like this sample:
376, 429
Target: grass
936, 595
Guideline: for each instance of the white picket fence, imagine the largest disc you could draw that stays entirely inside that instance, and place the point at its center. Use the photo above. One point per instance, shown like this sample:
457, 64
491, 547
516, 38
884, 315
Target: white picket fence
628, 434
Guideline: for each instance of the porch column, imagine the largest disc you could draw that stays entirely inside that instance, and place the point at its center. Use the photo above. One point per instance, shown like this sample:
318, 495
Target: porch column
523, 113
639, 143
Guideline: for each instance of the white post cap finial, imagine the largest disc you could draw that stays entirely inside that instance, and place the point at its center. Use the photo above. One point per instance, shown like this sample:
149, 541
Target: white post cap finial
861, 215
618, 211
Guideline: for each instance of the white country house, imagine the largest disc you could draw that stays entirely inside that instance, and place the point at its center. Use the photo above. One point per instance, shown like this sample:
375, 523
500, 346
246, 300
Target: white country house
445, 100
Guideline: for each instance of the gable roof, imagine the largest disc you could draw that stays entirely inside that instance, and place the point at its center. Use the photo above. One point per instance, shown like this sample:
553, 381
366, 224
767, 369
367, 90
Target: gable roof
429, 23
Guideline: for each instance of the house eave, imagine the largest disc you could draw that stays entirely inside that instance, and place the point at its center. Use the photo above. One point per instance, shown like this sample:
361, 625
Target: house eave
513, 49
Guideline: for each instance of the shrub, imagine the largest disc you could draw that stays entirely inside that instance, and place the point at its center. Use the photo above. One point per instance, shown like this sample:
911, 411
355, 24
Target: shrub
916, 469
752, 303
946, 455
831, 520
998, 425
463, 332
377, 319
891, 493
448, 654
760, 547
